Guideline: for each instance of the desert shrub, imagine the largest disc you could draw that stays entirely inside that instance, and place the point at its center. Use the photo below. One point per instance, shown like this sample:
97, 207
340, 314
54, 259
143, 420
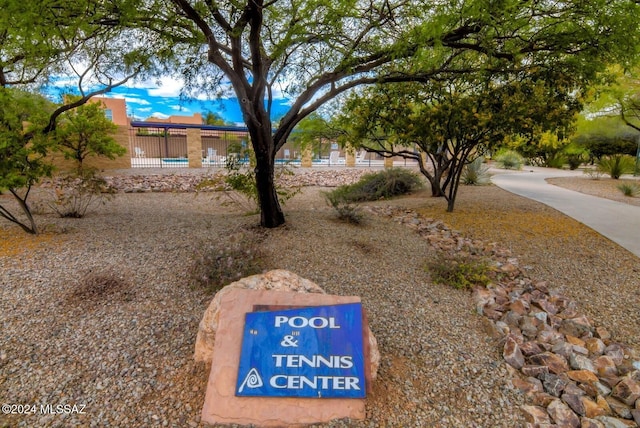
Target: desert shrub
238, 186
593, 173
476, 173
509, 159
75, 193
629, 189
381, 185
216, 264
371, 187
346, 209
556, 160
617, 165
459, 272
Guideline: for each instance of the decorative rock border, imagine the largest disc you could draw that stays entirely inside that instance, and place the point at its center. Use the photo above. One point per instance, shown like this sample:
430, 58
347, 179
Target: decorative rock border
573, 372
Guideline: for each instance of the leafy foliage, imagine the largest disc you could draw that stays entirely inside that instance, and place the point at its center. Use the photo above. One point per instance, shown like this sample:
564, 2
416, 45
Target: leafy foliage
382, 185
443, 125
629, 189
459, 272
22, 149
86, 131
593, 173
318, 50
476, 173
75, 193
556, 160
617, 165
371, 187
346, 208
509, 159
546, 149
239, 187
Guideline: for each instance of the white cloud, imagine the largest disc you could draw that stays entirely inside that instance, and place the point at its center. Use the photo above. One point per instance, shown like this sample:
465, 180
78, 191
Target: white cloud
143, 109
140, 101
169, 87
64, 82
178, 107
159, 115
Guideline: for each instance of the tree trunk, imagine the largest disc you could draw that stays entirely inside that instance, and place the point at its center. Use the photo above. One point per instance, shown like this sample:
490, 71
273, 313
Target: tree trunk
436, 191
271, 214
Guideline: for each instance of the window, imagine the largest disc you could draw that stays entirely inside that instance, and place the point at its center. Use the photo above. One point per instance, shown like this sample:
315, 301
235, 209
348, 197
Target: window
109, 114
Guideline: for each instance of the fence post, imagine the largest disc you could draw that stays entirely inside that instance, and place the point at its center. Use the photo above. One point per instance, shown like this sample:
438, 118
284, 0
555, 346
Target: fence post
349, 156
194, 147
307, 157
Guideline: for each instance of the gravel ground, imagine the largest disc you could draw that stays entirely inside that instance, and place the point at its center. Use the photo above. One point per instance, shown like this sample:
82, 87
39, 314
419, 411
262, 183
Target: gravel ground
602, 187
101, 312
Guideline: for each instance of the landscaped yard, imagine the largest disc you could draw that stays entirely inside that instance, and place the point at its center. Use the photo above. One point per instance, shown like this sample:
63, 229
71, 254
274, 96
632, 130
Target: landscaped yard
103, 311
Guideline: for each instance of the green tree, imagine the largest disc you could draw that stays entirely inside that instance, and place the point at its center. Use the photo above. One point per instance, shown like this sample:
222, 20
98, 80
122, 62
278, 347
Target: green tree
604, 136
86, 131
211, 118
22, 149
311, 132
319, 49
444, 126
39, 40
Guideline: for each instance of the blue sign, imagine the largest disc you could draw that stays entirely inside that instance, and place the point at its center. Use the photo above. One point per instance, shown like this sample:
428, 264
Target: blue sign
308, 352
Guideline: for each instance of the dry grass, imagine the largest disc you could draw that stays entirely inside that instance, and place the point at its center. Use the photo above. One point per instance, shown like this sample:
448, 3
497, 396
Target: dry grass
14, 241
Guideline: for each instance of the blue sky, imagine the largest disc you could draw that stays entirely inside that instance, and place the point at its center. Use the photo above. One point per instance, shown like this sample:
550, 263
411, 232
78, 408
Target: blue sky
163, 99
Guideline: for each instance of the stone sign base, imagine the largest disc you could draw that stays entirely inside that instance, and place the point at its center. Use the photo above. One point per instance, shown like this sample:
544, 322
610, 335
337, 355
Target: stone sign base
221, 406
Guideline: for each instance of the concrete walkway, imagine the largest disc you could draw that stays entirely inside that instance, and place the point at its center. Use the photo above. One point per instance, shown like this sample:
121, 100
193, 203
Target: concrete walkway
615, 220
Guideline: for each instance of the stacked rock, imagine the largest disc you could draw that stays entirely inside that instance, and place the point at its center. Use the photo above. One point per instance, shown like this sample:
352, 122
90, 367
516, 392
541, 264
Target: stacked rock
573, 372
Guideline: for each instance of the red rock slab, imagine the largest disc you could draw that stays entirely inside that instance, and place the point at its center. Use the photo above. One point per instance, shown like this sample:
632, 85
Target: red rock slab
221, 406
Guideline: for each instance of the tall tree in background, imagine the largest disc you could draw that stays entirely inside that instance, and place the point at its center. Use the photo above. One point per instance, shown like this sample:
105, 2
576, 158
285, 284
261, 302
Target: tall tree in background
610, 123
38, 40
211, 118
316, 50
445, 125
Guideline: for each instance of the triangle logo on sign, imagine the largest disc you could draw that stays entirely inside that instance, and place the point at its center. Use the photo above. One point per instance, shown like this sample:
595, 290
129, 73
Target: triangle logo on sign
253, 380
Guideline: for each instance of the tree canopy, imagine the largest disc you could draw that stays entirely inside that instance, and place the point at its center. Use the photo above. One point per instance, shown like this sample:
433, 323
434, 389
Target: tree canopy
445, 125
316, 50
22, 148
86, 131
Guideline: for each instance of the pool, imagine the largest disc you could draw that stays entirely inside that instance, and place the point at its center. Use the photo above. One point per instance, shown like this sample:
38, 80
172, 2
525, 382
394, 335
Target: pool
175, 162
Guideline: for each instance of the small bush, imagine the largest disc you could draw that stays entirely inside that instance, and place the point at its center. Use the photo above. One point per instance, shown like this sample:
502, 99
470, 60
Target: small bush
459, 272
557, 160
75, 193
381, 185
629, 189
509, 159
216, 264
346, 209
593, 173
617, 165
475, 173
238, 185
371, 187
574, 161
